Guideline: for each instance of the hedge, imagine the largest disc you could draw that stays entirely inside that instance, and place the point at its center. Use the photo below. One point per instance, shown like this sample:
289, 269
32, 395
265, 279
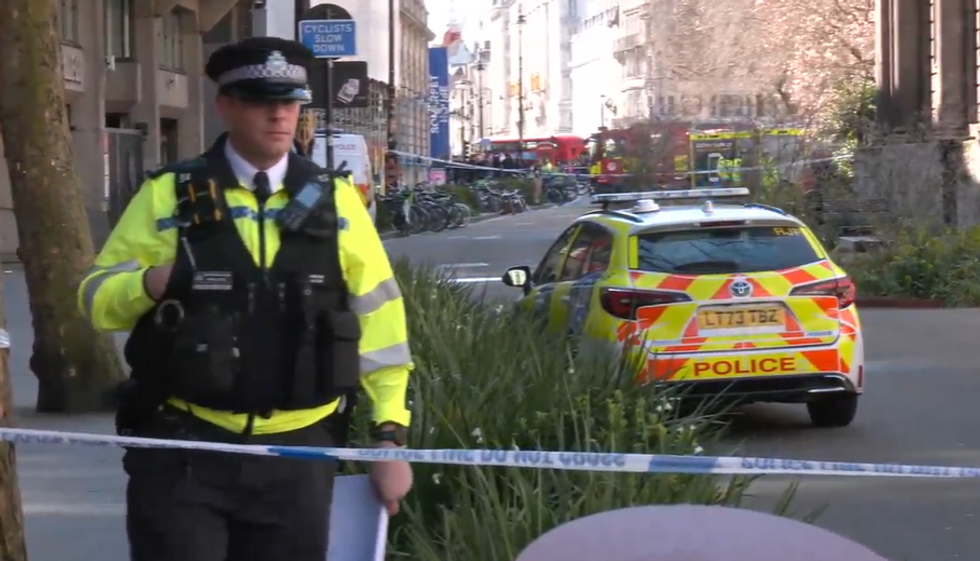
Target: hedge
488, 376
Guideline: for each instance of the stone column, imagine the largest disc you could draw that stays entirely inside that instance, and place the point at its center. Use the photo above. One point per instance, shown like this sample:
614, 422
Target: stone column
148, 30
910, 62
223, 33
88, 119
190, 128
954, 78
280, 22
883, 63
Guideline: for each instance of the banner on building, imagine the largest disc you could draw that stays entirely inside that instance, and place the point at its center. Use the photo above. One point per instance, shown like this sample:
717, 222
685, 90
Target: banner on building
350, 84
438, 103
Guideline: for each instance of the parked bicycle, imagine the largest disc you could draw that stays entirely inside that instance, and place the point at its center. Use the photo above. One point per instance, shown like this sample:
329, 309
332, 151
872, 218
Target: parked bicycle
560, 189
413, 211
496, 200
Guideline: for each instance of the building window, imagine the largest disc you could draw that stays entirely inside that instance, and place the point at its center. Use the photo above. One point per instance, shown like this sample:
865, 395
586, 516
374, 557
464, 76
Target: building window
632, 65
169, 148
119, 28
633, 104
172, 49
69, 21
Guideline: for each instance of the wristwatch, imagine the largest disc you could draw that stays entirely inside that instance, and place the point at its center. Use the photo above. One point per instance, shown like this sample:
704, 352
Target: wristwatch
390, 432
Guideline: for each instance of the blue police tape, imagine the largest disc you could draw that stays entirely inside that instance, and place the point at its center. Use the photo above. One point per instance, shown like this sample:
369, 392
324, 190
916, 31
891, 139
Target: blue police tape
576, 461
461, 165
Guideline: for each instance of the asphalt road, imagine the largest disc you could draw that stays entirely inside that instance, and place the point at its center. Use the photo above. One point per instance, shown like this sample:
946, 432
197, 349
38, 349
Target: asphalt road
920, 407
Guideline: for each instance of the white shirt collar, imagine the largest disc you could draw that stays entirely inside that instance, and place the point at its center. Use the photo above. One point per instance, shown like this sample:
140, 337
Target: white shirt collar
245, 172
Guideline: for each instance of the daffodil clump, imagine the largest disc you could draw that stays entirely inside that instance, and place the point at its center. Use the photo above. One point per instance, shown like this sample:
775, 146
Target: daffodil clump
491, 378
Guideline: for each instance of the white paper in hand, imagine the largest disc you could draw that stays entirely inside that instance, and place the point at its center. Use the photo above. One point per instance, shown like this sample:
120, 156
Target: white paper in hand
358, 521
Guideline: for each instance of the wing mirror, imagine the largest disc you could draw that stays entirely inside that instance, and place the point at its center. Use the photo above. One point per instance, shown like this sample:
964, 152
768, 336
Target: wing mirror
518, 277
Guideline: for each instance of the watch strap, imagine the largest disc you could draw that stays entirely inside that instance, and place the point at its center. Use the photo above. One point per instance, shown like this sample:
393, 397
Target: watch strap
389, 432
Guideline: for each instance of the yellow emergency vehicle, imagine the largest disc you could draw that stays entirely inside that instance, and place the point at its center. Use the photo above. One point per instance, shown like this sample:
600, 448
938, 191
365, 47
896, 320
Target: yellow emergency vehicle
732, 297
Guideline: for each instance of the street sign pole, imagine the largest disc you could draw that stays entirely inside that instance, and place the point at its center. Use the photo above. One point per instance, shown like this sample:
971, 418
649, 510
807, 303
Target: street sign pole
329, 39
328, 116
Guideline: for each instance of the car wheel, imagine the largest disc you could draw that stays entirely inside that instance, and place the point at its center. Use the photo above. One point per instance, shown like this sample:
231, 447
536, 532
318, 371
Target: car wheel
833, 410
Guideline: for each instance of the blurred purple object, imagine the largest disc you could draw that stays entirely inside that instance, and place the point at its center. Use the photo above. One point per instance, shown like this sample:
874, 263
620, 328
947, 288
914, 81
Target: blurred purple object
692, 533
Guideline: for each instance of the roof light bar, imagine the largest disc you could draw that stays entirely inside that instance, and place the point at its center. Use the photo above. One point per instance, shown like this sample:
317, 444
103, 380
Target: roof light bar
676, 194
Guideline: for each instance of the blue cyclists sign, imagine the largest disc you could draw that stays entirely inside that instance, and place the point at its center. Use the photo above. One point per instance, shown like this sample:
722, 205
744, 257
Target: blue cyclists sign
329, 38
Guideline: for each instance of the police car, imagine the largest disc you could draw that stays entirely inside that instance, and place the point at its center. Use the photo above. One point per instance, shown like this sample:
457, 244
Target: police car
723, 297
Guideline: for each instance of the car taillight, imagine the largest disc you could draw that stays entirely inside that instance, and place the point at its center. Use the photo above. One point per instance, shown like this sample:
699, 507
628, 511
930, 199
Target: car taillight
842, 288
624, 302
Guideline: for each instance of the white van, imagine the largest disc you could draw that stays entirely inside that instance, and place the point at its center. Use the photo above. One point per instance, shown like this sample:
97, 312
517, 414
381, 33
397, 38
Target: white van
351, 151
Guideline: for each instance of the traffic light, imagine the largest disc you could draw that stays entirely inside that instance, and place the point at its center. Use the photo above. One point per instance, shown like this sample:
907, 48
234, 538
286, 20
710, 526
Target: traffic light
466, 149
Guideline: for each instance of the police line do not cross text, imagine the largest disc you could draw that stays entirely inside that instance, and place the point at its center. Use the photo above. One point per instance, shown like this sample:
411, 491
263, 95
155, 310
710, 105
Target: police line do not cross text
535, 459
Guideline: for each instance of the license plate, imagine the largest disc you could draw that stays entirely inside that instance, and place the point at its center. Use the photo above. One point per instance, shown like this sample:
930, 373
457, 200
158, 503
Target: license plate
736, 318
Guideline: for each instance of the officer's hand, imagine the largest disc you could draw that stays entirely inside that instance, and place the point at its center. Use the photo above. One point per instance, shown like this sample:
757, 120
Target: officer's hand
392, 480
155, 280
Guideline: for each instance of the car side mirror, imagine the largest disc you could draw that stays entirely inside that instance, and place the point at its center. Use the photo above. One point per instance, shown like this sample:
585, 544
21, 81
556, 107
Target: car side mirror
518, 277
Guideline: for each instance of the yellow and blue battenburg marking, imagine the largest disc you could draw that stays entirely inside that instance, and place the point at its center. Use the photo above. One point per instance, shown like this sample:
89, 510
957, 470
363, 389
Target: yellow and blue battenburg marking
237, 212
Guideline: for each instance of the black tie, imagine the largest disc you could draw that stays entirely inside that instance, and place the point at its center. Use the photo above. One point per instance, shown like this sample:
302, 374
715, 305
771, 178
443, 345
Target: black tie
262, 188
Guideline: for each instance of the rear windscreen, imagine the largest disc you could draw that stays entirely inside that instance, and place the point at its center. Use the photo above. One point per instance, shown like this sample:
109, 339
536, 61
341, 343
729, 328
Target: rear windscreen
742, 249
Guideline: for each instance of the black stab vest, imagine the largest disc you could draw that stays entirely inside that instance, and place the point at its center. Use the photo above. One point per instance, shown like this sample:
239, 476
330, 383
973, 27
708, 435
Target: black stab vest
234, 336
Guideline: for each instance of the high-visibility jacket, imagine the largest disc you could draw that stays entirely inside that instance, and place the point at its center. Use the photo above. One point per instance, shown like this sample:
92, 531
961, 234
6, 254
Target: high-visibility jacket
113, 297
730, 170
595, 169
770, 172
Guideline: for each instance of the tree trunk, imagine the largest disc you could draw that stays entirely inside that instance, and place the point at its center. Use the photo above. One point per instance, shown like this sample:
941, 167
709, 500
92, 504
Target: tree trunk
75, 365
12, 544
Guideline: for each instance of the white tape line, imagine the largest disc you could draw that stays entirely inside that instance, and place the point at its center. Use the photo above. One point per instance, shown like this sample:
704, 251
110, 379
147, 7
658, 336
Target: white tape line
574, 461
460, 165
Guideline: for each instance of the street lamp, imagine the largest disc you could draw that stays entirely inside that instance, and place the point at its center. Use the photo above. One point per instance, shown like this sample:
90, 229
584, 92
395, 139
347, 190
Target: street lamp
606, 103
461, 114
480, 67
602, 112
391, 165
521, 20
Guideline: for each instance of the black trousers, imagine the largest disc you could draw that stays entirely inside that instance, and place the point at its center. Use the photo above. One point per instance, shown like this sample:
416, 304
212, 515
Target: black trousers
185, 505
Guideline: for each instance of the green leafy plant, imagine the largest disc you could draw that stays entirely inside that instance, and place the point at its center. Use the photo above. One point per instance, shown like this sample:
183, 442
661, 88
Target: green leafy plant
487, 376
464, 194
383, 219
923, 264
523, 185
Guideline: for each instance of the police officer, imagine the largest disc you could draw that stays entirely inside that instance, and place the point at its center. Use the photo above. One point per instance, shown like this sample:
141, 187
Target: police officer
595, 170
258, 295
730, 171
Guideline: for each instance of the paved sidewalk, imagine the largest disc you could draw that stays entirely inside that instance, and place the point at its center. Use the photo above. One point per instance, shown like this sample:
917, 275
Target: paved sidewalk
73, 496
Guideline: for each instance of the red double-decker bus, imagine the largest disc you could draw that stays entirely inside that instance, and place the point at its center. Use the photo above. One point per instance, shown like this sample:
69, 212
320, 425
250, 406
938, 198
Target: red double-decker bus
558, 149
